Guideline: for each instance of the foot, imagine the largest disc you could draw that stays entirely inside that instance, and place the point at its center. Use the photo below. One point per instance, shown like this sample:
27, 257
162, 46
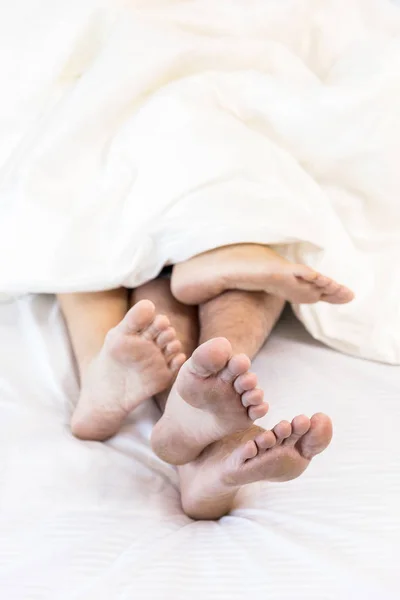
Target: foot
210, 483
252, 268
139, 358
214, 395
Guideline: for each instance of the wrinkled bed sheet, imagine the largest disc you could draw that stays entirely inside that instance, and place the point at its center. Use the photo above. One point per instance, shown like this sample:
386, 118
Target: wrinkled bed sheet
90, 521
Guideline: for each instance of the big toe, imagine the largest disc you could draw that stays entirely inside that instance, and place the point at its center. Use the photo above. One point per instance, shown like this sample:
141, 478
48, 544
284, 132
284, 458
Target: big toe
342, 295
139, 317
211, 357
317, 437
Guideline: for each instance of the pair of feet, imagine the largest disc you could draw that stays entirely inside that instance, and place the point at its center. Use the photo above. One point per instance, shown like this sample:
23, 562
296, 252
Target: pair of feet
208, 422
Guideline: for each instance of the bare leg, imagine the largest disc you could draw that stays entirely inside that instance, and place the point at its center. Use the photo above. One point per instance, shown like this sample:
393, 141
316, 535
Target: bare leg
252, 267
120, 357
215, 394
89, 317
230, 314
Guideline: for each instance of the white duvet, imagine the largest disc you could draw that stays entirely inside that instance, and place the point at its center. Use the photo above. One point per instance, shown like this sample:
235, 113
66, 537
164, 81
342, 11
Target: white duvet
140, 133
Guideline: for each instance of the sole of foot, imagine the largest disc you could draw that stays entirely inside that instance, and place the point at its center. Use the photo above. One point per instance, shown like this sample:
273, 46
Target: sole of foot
214, 395
251, 267
139, 359
210, 483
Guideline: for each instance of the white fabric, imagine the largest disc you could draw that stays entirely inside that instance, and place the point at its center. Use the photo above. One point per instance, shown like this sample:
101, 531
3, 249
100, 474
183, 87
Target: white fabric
139, 133
91, 521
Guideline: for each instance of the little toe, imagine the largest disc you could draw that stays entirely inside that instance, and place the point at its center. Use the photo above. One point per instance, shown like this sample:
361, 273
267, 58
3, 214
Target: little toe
138, 317
176, 362
344, 294
238, 365
337, 294
300, 426
211, 357
160, 324
252, 397
266, 440
317, 437
282, 431
258, 411
245, 382
165, 337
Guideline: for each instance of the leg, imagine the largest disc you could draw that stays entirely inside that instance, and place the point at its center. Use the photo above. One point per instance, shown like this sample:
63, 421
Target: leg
89, 317
252, 267
119, 359
245, 318
215, 395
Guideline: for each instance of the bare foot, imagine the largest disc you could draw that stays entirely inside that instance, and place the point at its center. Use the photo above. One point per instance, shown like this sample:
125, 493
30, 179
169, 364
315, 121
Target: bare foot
139, 358
252, 268
214, 396
210, 483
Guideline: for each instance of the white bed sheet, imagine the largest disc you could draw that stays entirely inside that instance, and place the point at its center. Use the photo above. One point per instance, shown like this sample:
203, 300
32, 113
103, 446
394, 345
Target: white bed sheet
84, 520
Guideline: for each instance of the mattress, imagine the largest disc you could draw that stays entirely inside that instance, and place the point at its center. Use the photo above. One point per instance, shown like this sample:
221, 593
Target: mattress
87, 520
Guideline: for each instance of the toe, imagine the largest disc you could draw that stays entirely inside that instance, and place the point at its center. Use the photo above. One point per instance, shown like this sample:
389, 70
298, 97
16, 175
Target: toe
172, 348
252, 397
306, 292
265, 440
211, 357
257, 412
300, 426
315, 283
160, 323
322, 281
238, 365
331, 288
245, 383
282, 431
305, 273
345, 294
165, 337
341, 296
317, 437
248, 451
176, 362
139, 317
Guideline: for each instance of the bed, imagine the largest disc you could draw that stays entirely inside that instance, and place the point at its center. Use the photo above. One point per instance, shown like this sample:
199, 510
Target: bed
91, 521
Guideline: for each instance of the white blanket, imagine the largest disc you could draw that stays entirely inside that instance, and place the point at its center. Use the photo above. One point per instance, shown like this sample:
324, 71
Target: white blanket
139, 133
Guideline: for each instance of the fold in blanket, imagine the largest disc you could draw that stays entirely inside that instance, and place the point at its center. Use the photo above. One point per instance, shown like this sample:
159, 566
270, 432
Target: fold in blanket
137, 134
